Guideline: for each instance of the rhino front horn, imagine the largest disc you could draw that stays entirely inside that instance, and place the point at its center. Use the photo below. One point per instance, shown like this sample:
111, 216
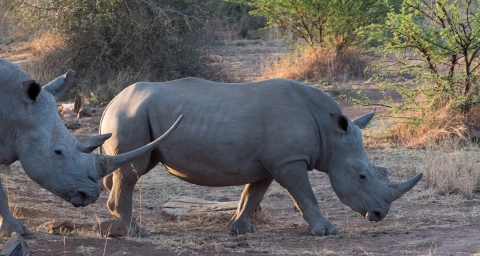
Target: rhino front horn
400, 188
105, 164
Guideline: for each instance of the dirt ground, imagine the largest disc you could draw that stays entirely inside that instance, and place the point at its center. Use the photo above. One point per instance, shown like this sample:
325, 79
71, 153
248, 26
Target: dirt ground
419, 223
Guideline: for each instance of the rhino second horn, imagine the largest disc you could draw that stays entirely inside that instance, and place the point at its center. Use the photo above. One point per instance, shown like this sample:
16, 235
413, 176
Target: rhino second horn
400, 188
104, 164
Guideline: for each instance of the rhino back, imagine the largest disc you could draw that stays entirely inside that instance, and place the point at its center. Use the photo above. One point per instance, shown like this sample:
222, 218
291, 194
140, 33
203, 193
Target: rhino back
241, 130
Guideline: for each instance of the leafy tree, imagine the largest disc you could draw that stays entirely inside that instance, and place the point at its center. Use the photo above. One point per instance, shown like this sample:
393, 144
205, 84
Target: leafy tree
320, 23
436, 44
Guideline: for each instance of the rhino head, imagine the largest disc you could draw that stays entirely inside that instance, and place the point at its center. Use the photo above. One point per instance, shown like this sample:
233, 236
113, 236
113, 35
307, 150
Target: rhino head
33, 133
359, 184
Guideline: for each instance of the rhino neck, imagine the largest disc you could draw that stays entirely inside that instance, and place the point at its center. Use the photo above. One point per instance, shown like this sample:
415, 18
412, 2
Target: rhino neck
323, 148
7, 148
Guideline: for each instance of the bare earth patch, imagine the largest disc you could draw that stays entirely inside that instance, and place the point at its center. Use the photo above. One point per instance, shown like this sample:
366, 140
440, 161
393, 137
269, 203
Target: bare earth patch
420, 223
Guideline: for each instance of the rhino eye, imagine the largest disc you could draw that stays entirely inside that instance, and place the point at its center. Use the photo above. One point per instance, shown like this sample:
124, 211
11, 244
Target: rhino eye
58, 152
363, 177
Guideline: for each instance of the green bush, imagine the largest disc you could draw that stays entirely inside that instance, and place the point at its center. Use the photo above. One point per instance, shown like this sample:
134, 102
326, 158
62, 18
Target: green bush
320, 23
431, 57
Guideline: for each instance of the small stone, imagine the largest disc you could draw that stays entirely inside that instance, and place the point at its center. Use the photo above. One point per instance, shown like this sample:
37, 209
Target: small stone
15, 246
120, 253
71, 124
83, 112
81, 131
112, 228
255, 250
68, 111
96, 112
68, 106
57, 226
68, 116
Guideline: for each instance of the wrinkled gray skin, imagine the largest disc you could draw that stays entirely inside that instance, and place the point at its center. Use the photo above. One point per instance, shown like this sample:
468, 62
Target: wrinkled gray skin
247, 133
32, 132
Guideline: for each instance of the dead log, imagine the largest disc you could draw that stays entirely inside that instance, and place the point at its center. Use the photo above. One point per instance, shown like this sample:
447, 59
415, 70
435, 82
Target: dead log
189, 206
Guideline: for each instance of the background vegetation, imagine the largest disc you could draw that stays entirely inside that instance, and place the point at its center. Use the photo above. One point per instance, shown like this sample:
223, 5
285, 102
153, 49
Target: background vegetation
427, 51
112, 44
430, 56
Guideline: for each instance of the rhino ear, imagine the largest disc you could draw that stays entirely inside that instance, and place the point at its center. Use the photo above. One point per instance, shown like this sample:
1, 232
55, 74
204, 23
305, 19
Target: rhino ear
31, 90
363, 121
60, 84
340, 123
88, 145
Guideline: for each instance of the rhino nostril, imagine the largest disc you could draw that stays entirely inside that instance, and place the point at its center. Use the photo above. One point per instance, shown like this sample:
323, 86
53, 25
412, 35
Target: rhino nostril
378, 215
85, 198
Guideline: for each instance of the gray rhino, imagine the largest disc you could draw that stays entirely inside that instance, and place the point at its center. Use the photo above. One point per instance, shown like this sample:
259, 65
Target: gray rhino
32, 132
246, 133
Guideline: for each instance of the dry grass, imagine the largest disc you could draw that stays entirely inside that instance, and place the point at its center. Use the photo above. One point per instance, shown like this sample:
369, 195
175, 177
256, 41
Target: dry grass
450, 168
437, 127
454, 171
317, 63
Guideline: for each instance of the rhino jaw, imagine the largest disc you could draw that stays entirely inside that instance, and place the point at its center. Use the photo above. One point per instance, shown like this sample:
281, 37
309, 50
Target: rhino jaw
104, 164
400, 188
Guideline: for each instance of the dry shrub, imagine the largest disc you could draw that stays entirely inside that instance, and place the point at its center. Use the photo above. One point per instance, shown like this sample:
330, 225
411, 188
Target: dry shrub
49, 65
318, 63
46, 42
472, 120
435, 127
451, 170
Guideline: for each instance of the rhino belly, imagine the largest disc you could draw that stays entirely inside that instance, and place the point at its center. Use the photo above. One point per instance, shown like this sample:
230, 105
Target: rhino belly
212, 176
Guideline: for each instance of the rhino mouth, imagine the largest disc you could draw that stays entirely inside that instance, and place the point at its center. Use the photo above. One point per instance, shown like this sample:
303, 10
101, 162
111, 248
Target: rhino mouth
82, 198
375, 215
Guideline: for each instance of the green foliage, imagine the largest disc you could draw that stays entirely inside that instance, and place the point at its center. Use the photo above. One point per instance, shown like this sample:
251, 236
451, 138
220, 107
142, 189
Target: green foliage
159, 39
320, 23
431, 55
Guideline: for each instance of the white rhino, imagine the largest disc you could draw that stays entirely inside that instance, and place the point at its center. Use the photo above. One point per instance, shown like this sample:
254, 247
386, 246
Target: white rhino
32, 132
246, 133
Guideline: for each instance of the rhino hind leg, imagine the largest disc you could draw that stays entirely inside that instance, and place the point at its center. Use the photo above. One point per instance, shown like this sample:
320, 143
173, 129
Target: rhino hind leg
294, 178
252, 195
9, 223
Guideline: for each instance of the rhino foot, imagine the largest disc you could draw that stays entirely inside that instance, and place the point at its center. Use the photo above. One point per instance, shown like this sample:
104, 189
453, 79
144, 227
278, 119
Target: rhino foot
240, 227
6, 229
143, 233
136, 230
322, 230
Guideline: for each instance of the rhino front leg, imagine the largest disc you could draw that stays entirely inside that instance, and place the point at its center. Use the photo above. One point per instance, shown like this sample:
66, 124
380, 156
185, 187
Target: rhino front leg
252, 195
108, 182
120, 201
9, 223
294, 178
